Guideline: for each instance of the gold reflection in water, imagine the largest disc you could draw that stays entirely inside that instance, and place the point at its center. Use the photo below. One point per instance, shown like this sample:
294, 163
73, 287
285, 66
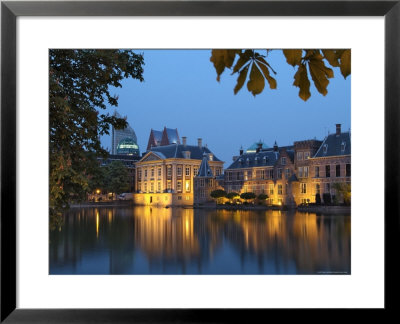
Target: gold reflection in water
97, 223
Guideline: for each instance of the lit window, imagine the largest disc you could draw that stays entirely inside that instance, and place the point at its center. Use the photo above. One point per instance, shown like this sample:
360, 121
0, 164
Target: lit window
187, 171
159, 186
306, 155
271, 189
303, 188
179, 185
187, 185
145, 187
279, 189
187, 197
169, 185
152, 187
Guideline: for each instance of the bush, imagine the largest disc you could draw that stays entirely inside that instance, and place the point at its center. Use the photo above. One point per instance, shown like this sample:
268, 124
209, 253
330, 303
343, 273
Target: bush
318, 199
247, 195
327, 198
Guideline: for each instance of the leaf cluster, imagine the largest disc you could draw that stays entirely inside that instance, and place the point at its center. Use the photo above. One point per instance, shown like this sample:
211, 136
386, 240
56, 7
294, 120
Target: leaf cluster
219, 193
253, 67
248, 195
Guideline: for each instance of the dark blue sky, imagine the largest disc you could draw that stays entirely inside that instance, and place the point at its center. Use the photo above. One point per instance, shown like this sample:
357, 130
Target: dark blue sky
180, 91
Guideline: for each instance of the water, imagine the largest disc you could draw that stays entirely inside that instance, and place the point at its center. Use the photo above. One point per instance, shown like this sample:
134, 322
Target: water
148, 240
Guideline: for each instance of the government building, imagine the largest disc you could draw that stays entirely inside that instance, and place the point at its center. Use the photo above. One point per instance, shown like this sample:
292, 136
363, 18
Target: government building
165, 174
293, 175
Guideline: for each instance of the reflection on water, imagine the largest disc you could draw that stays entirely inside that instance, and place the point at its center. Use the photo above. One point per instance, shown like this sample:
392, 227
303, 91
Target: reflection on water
146, 240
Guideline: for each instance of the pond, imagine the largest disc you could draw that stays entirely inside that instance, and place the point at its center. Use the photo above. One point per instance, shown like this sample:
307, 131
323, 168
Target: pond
149, 240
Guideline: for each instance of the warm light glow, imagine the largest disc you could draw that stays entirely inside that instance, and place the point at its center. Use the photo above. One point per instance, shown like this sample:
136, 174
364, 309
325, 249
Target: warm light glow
97, 223
98, 191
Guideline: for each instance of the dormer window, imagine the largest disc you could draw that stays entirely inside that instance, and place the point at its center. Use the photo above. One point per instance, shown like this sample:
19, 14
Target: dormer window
325, 148
256, 160
343, 147
265, 159
247, 161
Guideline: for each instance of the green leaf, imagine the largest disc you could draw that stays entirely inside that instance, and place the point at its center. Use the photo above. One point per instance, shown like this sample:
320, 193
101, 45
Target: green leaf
301, 81
241, 79
345, 63
256, 83
293, 56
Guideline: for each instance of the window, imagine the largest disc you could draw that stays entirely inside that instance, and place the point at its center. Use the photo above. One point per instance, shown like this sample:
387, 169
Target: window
287, 173
279, 173
317, 188
179, 197
299, 156
300, 172
217, 172
187, 197
306, 172
348, 170
271, 189
306, 155
169, 185
325, 148
280, 201
279, 189
249, 174
159, 186
169, 171
201, 182
152, 187
145, 187
271, 174
327, 171
337, 170
187, 171
140, 174
343, 147
179, 185
229, 176
317, 171
303, 188
195, 171
187, 185
283, 161
238, 176
179, 171
159, 172
145, 173
152, 172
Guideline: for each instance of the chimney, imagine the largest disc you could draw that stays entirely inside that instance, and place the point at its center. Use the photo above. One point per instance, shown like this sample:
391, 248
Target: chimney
199, 142
241, 151
184, 140
338, 129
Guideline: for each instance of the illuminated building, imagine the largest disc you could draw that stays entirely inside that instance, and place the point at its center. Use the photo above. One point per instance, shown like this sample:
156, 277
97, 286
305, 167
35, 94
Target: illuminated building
204, 182
124, 141
164, 175
293, 175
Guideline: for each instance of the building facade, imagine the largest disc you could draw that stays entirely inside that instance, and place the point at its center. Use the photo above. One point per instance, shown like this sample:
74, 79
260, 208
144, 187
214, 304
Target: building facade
165, 174
204, 182
294, 175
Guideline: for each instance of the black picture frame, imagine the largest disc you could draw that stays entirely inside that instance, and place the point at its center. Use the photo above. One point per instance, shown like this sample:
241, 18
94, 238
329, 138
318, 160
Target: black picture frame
10, 10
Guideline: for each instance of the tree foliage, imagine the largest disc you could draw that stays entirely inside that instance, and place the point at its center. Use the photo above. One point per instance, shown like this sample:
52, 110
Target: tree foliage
79, 88
343, 190
219, 193
248, 195
252, 66
117, 177
232, 195
262, 196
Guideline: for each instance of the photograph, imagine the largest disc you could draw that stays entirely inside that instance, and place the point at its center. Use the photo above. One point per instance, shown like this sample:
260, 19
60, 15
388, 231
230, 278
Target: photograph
199, 161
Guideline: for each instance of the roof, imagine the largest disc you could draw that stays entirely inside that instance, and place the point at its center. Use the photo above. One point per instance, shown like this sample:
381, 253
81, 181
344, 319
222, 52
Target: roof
176, 151
204, 170
157, 135
262, 158
172, 136
335, 145
253, 148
